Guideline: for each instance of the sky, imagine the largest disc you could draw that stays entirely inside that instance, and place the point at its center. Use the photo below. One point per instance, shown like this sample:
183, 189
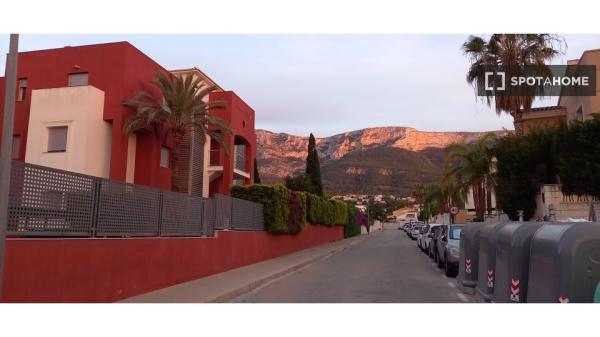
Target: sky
328, 84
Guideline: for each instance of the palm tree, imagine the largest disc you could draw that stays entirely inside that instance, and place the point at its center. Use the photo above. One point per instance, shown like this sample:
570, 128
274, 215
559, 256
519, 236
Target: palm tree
471, 168
181, 109
511, 49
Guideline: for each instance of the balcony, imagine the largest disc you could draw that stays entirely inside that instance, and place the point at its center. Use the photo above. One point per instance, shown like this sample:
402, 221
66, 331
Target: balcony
241, 163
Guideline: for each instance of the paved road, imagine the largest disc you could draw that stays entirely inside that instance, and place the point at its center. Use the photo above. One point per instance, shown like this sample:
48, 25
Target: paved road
388, 267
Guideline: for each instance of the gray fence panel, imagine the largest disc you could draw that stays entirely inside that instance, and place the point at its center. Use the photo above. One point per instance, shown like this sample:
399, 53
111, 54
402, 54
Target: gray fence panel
182, 215
127, 210
246, 215
209, 217
49, 202
223, 212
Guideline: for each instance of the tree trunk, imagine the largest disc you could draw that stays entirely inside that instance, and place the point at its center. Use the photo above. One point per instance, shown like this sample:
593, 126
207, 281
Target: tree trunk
489, 199
479, 200
518, 122
482, 199
175, 174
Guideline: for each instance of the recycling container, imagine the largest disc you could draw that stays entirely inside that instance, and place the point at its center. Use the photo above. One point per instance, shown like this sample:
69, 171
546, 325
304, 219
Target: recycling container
564, 264
487, 260
512, 261
469, 255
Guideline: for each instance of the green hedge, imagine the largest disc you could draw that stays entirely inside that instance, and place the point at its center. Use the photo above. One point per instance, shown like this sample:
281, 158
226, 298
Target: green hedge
352, 228
340, 212
275, 203
297, 211
287, 211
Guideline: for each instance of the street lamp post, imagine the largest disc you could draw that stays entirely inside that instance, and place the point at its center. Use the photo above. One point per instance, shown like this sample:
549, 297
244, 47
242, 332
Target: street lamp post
7, 135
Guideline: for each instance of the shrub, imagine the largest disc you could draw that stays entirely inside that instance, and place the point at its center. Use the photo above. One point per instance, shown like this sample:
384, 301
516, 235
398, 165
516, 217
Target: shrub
314, 208
297, 211
352, 228
524, 163
579, 158
340, 212
274, 199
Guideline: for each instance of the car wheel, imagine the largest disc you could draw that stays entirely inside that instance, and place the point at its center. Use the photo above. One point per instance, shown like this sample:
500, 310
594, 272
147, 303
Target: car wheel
448, 270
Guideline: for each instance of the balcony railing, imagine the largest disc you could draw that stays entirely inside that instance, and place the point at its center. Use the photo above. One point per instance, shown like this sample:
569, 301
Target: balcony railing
241, 162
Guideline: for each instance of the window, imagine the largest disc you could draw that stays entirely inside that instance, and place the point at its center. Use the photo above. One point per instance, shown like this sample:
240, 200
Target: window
22, 89
78, 79
165, 155
57, 139
16, 146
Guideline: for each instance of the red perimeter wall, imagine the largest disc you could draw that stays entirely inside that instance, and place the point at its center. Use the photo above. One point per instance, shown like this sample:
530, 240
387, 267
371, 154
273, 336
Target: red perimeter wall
108, 270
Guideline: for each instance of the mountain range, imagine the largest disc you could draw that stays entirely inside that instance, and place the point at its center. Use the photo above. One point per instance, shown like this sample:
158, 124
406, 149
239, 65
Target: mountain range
382, 160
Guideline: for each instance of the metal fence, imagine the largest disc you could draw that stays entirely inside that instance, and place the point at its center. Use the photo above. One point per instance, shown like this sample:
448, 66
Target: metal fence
53, 203
238, 214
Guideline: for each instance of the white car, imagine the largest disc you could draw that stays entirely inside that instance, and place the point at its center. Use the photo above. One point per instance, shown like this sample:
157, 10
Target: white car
416, 229
427, 237
422, 235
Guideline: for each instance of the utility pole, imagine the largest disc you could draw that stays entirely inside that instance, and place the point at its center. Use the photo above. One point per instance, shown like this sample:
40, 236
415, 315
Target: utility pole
7, 139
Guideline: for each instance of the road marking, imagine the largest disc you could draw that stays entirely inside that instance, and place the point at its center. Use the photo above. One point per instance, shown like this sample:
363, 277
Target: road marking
451, 284
462, 297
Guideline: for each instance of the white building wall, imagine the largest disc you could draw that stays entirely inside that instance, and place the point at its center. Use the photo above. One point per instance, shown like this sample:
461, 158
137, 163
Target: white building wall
81, 109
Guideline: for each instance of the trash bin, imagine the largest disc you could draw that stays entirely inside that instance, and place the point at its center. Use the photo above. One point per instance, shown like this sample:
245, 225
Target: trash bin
469, 255
512, 261
487, 260
564, 264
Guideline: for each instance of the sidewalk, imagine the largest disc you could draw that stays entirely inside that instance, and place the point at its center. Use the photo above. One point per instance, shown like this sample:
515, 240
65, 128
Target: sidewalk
231, 284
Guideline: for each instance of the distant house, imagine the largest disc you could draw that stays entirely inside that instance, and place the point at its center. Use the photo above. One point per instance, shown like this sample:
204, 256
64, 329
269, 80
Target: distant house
69, 115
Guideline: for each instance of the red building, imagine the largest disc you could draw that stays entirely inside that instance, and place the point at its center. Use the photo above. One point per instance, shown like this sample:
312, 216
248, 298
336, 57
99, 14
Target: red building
69, 115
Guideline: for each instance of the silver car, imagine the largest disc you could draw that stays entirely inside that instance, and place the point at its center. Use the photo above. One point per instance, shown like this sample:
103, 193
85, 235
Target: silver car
427, 240
448, 249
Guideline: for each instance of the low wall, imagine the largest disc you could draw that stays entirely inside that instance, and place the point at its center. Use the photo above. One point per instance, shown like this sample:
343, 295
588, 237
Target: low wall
108, 270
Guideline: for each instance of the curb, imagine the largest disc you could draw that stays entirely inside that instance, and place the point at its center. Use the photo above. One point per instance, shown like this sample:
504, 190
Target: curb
268, 278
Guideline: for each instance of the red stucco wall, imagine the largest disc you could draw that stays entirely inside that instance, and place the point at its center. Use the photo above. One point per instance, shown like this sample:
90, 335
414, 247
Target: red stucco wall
108, 270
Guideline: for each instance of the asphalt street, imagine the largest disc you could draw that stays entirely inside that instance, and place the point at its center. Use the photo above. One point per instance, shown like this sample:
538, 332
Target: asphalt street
386, 268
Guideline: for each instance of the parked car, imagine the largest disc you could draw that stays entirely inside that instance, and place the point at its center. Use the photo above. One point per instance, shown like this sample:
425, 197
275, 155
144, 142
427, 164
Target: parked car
416, 228
435, 234
428, 238
449, 248
421, 236
452, 251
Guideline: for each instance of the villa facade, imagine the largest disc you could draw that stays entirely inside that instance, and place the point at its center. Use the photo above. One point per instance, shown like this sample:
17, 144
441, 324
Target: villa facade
70, 115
